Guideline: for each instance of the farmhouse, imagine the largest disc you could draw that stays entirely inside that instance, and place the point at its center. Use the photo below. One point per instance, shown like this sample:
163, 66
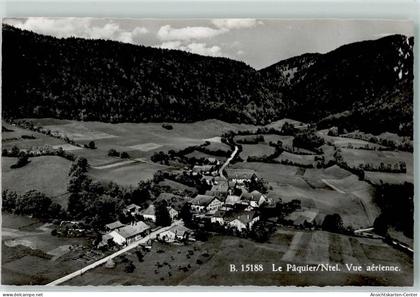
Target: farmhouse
209, 180
253, 199
220, 186
231, 200
130, 233
172, 212
113, 226
132, 209
149, 213
241, 220
177, 232
205, 203
203, 169
241, 175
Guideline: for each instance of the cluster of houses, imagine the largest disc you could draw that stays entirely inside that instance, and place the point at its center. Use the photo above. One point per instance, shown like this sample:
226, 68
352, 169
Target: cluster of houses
227, 203
124, 234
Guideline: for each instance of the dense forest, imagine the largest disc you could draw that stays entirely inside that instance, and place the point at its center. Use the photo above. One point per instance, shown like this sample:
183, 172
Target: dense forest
116, 82
365, 85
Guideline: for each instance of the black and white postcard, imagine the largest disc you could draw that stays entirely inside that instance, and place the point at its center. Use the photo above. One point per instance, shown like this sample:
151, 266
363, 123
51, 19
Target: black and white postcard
207, 152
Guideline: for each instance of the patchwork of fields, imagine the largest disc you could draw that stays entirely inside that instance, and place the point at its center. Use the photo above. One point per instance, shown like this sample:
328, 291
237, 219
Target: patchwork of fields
322, 191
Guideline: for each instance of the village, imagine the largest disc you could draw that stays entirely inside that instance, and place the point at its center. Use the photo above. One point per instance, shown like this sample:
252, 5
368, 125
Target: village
227, 204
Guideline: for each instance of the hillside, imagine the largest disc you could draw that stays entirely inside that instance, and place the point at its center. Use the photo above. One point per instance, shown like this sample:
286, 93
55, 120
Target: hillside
115, 82
364, 85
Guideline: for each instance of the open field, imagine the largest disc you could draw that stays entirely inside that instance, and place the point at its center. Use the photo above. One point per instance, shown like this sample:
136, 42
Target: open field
47, 174
355, 157
378, 178
216, 146
298, 159
345, 141
353, 201
161, 265
199, 155
31, 255
140, 140
176, 186
14, 138
256, 150
127, 174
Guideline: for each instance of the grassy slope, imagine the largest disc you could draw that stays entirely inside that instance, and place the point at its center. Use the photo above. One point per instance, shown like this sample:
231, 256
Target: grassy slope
47, 174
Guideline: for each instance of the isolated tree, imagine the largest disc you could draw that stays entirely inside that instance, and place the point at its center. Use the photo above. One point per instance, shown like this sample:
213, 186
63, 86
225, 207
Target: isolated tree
21, 161
113, 153
124, 155
14, 152
333, 223
92, 145
380, 225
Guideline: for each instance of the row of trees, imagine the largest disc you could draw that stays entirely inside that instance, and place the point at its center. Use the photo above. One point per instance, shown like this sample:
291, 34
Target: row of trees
115, 153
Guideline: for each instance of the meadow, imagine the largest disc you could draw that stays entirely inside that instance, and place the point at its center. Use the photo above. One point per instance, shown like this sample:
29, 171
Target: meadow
208, 263
31, 255
47, 174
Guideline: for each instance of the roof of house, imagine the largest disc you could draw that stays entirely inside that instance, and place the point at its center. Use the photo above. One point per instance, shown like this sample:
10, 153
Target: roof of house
243, 216
149, 210
171, 209
199, 168
221, 186
132, 205
179, 230
220, 194
232, 199
114, 225
202, 200
220, 213
133, 230
240, 173
253, 196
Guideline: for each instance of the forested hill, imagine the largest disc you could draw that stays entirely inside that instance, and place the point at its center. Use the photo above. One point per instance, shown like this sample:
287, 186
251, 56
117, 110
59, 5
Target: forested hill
110, 81
364, 85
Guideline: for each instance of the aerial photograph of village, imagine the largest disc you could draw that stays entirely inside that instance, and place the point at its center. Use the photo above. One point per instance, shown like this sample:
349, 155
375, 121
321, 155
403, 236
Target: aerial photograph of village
207, 152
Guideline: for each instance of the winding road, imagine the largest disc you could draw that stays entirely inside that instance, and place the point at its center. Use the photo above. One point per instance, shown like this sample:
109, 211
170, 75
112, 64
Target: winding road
235, 151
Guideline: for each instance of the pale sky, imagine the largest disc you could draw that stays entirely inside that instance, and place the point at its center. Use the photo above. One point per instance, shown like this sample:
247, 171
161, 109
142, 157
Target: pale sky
257, 42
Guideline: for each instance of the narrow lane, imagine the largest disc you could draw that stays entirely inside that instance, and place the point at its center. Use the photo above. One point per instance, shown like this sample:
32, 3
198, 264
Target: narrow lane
235, 151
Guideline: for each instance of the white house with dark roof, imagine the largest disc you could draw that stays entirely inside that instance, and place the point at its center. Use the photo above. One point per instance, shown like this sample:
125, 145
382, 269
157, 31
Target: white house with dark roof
130, 233
253, 199
174, 233
132, 209
150, 213
203, 169
240, 175
231, 200
241, 220
205, 203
